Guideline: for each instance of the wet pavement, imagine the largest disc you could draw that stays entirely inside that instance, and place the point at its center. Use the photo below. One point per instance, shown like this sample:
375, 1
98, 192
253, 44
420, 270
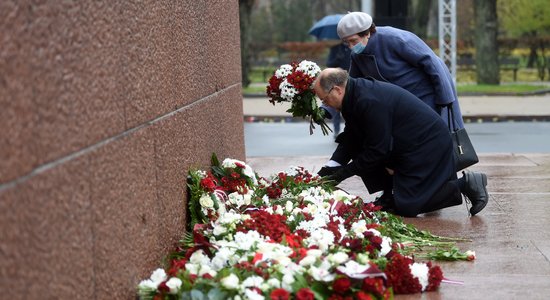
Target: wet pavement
511, 236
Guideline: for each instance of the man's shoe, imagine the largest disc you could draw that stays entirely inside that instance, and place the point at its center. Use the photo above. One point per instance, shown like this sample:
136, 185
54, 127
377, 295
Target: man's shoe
386, 201
475, 188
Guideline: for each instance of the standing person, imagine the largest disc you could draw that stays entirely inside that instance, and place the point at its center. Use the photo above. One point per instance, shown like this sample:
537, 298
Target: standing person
338, 57
396, 144
399, 57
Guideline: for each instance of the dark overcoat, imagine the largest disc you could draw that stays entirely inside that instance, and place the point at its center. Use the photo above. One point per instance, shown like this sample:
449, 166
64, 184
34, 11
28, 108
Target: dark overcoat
387, 126
402, 58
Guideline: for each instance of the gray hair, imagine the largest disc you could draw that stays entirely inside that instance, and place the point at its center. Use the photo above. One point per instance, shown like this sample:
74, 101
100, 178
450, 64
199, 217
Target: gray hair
337, 77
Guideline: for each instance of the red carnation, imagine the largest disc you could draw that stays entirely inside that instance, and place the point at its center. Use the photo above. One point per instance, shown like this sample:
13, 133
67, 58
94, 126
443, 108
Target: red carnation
363, 296
163, 288
305, 294
176, 265
341, 285
208, 183
280, 294
293, 241
373, 285
435, 276
399, 275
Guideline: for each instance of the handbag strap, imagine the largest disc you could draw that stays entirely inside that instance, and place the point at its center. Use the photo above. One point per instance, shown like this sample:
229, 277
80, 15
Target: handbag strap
452, 127
450, 117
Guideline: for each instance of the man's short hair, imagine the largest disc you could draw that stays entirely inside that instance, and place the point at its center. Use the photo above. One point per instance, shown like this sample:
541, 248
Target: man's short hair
337, 77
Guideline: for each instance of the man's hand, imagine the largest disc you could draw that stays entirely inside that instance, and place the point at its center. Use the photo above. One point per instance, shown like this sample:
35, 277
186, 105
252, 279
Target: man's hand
336, 174
340, 175
327, 171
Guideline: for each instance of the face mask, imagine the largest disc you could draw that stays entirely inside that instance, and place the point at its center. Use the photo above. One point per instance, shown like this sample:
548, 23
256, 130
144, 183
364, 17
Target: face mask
358, 48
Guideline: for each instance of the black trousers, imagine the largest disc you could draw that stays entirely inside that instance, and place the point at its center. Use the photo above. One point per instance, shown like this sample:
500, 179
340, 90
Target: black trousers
446, 196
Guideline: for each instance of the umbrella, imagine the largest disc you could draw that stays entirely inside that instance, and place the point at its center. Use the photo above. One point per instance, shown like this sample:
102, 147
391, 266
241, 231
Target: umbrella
325, 29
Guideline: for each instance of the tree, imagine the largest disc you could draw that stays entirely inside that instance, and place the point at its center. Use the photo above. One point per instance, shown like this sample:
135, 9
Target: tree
245, 9
423, 16
528, 21
485, 40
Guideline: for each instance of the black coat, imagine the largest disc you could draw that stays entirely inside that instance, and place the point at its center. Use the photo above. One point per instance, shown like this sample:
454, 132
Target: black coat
387, 126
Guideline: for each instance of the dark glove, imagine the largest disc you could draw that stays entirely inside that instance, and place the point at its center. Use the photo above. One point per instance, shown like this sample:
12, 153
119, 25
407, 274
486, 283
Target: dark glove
340, 175
327, 171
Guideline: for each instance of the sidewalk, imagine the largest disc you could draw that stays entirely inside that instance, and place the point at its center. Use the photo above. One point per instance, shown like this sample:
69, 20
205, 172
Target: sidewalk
474, 108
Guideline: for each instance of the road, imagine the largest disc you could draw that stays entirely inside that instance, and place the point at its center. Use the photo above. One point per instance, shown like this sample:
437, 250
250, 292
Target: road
293, 139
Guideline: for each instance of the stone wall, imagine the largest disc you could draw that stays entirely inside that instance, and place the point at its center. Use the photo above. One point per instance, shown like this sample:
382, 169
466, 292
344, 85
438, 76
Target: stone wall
104, 106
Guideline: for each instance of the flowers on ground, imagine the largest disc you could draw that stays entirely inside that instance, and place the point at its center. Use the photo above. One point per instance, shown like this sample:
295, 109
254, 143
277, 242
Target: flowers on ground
293, 83
290, 236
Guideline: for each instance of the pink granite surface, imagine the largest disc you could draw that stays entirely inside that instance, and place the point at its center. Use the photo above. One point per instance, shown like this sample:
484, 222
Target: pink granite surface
105, 106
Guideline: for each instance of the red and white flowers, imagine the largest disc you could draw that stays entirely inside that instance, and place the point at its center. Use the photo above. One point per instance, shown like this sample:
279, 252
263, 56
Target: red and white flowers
293, 83
290, 236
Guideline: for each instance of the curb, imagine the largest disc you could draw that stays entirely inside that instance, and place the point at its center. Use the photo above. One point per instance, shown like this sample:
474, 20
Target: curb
534, 93
467, 119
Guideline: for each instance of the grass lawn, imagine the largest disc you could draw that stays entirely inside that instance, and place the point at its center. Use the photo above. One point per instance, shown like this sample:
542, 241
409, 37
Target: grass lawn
500, 89
462, 88
465, 79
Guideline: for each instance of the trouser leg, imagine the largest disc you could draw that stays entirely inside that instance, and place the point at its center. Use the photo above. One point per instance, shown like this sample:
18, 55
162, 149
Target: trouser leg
448, 195
378, 180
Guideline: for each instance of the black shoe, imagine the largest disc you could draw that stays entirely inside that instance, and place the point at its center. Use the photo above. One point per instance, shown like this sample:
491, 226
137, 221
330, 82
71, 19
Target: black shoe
475, 188
386, 201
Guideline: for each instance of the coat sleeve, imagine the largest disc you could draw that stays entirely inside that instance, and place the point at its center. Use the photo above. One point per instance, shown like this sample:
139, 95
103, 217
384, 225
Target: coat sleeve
376, 126
413, 50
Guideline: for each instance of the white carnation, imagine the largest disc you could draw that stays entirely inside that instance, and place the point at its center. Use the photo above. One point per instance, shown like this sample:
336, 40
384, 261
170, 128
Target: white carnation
338, 258
174, 284
322, 273
253, 295
253, 281
289, 206
420, 271
358, 228
230, 282
158, 276
288, 91
283, 71
386, 246
309, 67
206, 201
322, 238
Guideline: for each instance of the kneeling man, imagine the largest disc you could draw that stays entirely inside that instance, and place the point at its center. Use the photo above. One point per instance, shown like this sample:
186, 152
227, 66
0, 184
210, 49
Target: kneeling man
396, 144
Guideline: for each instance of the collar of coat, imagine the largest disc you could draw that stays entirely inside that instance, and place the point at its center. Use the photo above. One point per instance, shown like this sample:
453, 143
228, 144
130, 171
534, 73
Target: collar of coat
350, 86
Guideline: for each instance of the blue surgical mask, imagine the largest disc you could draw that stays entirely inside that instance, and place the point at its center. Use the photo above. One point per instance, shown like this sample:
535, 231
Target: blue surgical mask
358, 48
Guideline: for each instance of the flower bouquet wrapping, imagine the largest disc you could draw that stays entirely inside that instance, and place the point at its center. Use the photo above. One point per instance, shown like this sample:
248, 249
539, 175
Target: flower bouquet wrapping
293, 83
291, 236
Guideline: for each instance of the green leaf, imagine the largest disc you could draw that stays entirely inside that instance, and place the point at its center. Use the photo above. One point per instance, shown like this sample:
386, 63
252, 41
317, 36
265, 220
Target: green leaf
214, 160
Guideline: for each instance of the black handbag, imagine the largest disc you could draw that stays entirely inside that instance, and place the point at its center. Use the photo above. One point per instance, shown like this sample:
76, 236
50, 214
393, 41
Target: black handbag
465, 154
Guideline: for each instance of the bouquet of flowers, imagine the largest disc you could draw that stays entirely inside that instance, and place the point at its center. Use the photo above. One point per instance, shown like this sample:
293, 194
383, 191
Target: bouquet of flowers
292, 236
292, 83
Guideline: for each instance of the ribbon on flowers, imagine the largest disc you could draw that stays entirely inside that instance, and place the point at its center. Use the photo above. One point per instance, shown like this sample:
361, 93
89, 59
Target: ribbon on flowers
459, 282
358, 271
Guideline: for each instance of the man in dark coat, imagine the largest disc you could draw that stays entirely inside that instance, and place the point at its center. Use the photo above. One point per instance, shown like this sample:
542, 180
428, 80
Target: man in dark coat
396, 144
